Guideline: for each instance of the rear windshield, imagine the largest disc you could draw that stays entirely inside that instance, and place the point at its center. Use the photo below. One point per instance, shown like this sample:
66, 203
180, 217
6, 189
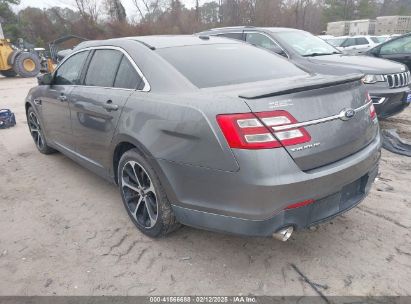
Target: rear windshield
224, 64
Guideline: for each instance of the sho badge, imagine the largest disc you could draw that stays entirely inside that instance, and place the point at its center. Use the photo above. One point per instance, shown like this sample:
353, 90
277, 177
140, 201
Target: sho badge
305, 147
280, 103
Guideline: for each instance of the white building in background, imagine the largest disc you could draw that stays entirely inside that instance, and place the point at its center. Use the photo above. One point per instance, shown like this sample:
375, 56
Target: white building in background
362, 27
388, 25
384, 25
339, 28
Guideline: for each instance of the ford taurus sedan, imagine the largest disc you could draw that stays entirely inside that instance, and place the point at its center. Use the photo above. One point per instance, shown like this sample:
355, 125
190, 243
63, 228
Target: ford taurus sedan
210, 132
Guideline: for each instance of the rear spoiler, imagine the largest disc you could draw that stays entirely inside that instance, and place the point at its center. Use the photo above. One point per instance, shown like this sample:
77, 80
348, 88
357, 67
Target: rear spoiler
316, 82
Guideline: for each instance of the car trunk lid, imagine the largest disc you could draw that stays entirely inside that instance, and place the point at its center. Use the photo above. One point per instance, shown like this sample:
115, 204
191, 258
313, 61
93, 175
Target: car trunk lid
334, 111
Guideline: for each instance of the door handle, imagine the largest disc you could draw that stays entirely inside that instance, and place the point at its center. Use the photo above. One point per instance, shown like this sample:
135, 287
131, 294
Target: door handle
62, 98
109, 106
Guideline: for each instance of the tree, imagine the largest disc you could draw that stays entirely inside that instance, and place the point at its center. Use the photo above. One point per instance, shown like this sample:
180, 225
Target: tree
88, 9
209, 13
115, 10
337, 10
8, 19
148, 9
366, 9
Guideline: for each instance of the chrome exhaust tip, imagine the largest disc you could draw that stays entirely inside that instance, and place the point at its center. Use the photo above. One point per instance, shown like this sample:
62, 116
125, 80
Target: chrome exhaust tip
283, 234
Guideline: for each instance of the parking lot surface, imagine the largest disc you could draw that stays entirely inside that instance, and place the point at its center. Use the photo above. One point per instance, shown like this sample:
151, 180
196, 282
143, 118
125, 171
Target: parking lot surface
64, 231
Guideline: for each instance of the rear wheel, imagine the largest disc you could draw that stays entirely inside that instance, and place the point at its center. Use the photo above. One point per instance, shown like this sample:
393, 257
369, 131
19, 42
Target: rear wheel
27, 64
8, 73
144, 197
37, 133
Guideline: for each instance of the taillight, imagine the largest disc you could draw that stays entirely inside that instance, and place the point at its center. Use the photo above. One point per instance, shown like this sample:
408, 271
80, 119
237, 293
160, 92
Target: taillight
373, 113
256, 130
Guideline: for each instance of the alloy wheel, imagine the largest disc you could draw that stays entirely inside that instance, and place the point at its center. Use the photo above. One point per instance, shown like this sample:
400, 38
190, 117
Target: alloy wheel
139, 194
35, 130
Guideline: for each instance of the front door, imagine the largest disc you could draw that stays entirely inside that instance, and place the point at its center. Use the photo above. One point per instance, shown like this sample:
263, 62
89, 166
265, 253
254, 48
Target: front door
55, 104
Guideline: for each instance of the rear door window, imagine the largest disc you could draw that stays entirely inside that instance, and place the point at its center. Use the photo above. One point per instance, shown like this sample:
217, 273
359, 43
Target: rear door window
260, 40
361, 41
70, 70
348, 42
127, 76
103, 68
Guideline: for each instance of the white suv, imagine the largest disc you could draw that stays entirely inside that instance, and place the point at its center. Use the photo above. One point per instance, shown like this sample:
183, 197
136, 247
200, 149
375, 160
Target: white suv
358, 44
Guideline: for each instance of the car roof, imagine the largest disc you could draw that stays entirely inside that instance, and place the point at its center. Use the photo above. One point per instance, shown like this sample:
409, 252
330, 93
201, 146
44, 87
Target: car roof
359, 36
266, 29
166, 41
339, 37
162, 41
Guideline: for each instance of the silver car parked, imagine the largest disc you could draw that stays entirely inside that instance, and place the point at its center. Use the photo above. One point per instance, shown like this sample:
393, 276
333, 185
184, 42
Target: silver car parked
210, 132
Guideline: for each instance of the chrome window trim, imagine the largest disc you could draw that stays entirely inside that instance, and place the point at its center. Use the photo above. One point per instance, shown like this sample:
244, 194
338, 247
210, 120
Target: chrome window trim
320, 120
146, 87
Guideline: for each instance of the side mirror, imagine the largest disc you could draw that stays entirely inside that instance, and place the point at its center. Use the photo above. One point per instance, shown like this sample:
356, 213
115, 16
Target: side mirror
45, 79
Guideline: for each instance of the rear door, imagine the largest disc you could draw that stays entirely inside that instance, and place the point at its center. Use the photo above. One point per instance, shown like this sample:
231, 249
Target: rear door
108, 82
55, 104
354, 45
336, 122
362, 44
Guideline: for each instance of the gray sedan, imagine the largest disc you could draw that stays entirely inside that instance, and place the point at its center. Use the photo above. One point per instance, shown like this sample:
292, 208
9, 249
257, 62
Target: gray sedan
210, 132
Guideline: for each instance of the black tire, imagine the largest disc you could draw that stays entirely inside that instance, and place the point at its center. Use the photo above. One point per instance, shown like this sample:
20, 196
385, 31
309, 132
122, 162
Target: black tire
38, 135
165, 221
21, 68
8, 73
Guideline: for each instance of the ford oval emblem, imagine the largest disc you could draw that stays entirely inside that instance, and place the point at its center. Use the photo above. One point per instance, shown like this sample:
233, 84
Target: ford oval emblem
347, 114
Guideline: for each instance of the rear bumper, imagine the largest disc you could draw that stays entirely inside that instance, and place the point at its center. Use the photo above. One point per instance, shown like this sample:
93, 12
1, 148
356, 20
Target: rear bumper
252, 200
389, 102
321, 210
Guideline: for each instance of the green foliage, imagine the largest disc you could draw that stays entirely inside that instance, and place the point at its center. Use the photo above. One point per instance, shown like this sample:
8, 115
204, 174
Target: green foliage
367, 9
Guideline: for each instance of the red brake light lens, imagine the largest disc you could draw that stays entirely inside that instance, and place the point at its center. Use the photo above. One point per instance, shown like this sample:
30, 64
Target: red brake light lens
373, 113
256, 130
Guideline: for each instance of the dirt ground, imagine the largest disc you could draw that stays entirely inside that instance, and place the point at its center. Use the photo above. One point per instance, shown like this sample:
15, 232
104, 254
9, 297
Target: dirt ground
64, 231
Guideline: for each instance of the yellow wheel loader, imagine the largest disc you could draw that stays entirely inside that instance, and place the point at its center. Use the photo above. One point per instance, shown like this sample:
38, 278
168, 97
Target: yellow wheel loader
14, 61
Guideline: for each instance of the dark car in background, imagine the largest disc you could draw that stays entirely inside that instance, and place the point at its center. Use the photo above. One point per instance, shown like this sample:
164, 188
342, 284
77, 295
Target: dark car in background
210, 132
386, 81
397, 49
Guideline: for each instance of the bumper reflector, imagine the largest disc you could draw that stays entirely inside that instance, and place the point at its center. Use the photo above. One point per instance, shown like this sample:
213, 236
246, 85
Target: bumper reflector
300, 204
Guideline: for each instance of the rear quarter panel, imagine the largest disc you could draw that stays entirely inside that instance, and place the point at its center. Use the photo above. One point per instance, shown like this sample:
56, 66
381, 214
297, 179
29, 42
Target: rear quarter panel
181, 128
